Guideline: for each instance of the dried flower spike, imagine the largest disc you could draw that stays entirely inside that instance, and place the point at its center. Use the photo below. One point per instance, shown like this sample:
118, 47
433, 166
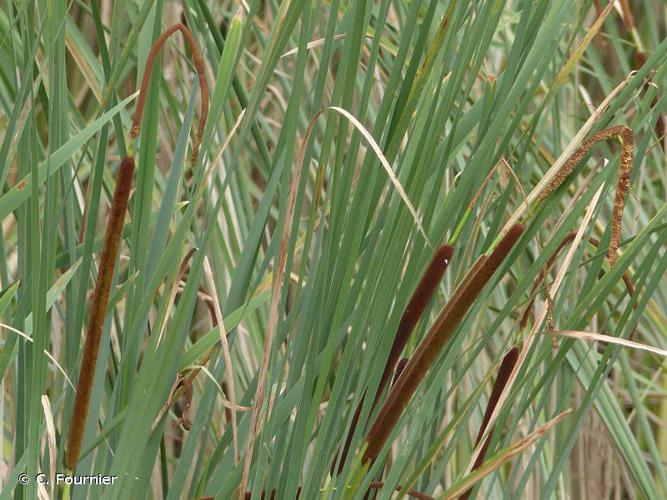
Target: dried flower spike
437, 337
98, 309
627, 144
198, 60
506, 367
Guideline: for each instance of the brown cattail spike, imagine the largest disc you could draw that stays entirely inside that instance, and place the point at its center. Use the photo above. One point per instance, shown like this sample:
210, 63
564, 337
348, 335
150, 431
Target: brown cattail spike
625, 135
415, 308
640, 59
413, 311
98, 309
436, 338
627, 144
506, 367
198, 60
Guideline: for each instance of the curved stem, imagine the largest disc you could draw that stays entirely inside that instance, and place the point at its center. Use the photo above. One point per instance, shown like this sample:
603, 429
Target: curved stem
198, 60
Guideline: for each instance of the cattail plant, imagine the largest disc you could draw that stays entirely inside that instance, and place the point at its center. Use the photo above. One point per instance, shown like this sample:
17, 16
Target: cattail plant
413, 311
506, 367
427, 352
115, 223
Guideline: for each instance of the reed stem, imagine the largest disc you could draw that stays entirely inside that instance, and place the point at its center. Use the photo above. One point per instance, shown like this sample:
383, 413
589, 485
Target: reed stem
200, 67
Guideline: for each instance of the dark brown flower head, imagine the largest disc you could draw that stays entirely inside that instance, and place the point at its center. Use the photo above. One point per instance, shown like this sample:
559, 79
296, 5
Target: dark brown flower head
506, 366
415, 308
98, 309
427, 352
413, 311
400, 366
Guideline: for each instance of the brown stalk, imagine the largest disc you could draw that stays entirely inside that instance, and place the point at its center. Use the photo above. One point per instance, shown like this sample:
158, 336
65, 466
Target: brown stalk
628, 18
223, 383
98, 309
627, 145
228, 411
437, 337
506, 367
413, 311
600, 42
200, 67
